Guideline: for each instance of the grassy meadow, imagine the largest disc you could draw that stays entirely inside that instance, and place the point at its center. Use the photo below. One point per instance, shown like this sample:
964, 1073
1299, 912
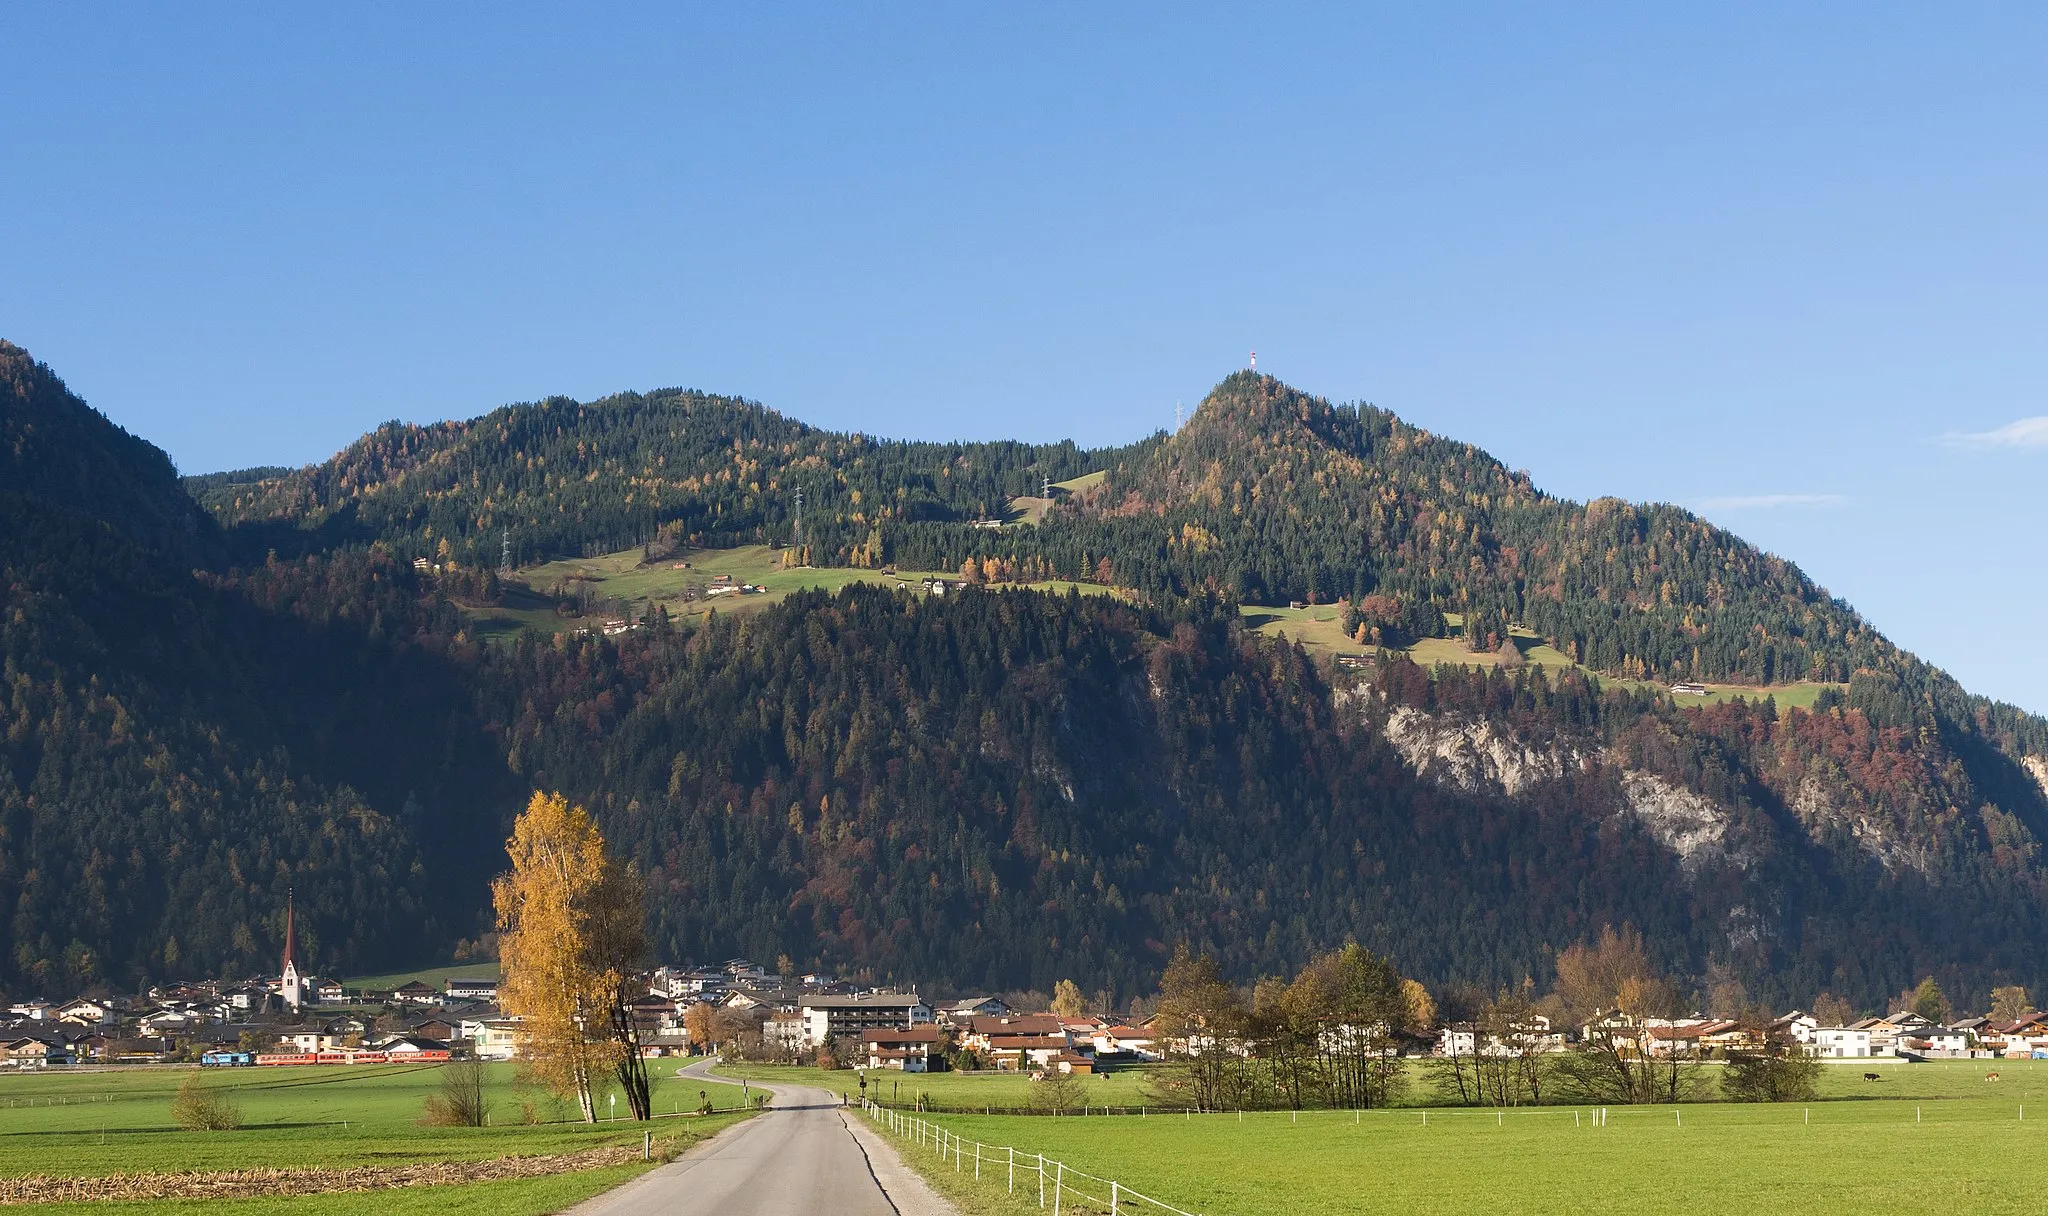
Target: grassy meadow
89, 1123
1928, 1138
1320, 629
626, 576
432, 977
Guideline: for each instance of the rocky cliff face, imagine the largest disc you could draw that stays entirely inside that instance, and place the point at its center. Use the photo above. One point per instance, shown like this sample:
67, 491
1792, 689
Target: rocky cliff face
1480, 756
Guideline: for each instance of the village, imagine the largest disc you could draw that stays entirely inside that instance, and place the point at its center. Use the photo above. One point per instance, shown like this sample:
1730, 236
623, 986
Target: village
746, 1011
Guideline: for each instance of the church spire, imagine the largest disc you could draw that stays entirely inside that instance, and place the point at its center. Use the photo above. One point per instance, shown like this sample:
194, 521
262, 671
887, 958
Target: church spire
290, 987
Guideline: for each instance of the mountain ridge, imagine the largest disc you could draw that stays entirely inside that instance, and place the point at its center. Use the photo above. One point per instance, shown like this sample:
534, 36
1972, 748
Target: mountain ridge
988, 789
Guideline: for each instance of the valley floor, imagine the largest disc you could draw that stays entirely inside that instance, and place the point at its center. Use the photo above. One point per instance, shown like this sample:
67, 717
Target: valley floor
1927, 1138
96, 1124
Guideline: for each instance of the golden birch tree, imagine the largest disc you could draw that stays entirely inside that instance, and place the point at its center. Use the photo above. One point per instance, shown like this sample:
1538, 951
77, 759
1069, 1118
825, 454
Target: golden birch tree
571, 934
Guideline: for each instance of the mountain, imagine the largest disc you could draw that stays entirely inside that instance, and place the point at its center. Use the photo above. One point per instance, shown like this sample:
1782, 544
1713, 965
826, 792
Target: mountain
184, 746
999, 787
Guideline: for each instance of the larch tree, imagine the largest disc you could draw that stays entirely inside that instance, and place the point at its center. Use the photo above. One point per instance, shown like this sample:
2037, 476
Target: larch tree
1067, 1001
571, 939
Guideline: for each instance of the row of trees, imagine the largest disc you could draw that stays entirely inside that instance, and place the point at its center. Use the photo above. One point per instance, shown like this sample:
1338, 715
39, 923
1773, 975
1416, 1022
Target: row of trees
1331, 1036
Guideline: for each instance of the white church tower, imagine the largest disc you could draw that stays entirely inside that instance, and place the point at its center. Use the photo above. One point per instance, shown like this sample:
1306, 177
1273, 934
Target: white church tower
291, 988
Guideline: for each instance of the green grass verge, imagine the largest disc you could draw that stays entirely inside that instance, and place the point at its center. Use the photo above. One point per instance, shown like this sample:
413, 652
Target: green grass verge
1941, 1141
119, 1120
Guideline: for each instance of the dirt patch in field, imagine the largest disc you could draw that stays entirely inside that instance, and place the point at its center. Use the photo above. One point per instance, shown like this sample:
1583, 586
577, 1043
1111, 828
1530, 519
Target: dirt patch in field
305, 1180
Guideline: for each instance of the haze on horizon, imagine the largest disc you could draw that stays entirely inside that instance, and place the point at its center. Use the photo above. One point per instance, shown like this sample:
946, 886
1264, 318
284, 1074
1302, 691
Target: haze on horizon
1786, 270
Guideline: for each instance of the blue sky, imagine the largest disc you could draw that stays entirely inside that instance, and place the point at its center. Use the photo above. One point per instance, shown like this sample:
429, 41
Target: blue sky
1788, 269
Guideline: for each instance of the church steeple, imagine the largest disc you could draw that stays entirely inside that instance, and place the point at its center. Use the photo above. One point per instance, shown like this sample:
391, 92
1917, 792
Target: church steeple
290, 987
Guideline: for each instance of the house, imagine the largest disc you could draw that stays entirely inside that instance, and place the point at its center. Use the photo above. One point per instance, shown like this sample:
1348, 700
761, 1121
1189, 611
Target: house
744, 971
311, 1042
748, 1000
976, 1007
1026, 1052
1134, 1043
830, 1017
87, 1013
410, 1045
1687, 688
243, 999
35, 1051
327, 992
1840, 1042
977, 1034
1884, 1033
438, 1030
784, 1032
163, 1020
470, 988
905, 1050
492, 1038
1464, 1039
416, 993
1074, 1062
1935, 1042
652, 1013
1797, 1025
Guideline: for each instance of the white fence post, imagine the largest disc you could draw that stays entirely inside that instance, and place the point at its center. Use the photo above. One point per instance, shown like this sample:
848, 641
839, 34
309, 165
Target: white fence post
1041, 1180
977, 1161
1059, 1183
1113, 1189
1013, 1168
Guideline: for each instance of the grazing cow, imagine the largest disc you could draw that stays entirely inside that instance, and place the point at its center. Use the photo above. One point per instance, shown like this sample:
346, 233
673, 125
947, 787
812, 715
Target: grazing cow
1870, 1076
1990, 1076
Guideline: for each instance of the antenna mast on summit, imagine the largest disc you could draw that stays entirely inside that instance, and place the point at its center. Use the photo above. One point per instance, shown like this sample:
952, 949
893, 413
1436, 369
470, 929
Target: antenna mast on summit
1178, 417
1255, 362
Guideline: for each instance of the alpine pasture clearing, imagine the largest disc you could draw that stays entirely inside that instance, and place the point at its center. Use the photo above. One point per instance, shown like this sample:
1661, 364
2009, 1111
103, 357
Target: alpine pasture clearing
1948, 1156
626, 576
93, 1123
1320, 629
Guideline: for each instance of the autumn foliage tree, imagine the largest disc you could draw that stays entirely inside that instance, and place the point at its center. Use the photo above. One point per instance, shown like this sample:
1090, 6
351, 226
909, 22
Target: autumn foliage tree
571, 940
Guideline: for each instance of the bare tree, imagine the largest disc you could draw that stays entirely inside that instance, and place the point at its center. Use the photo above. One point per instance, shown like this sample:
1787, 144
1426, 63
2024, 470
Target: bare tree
460, 1103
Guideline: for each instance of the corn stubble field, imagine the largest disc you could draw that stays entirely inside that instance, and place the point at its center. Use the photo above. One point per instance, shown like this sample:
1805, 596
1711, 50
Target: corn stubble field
1932, 1138
98, 1124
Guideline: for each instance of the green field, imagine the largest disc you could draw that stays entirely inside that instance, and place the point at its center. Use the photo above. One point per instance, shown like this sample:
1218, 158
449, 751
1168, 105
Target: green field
625, 576
1320, 629
1928, 1138
96, 1123
432, 977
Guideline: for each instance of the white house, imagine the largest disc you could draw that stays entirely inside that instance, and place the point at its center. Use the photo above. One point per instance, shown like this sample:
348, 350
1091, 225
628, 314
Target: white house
492, 1038
829, 1017
1840, 1042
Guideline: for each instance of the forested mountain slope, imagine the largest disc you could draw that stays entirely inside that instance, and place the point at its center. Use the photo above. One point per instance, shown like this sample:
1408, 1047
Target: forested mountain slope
566, 478
990, 789
178, 752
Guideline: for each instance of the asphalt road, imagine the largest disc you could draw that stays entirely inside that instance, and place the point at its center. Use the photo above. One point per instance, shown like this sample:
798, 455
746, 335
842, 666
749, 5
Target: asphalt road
796, 1159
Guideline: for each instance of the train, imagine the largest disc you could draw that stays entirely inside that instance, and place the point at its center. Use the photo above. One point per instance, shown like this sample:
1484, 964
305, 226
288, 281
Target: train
281, 1059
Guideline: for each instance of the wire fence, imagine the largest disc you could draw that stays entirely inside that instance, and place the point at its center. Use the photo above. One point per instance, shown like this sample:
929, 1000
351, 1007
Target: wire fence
1058, 1187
